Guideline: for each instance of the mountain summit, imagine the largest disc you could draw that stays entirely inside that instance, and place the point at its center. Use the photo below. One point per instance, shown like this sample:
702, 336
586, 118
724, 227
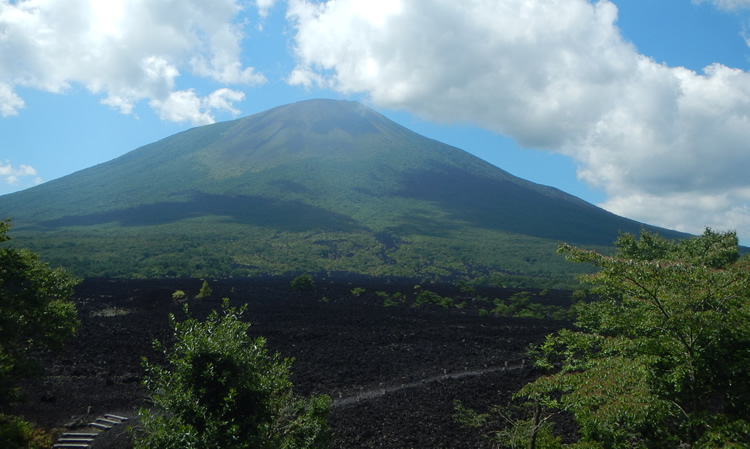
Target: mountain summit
314, 186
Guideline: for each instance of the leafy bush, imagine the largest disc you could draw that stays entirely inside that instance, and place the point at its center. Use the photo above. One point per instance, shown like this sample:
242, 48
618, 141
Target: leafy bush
465, 287
520, 305
303, 283
178, 296
396, 299
661, 360
535, 432
35, 313
358, 291
428, 297
18, 434
223, 390
579, 295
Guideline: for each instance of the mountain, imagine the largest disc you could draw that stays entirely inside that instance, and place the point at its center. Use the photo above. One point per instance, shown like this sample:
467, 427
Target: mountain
315, 186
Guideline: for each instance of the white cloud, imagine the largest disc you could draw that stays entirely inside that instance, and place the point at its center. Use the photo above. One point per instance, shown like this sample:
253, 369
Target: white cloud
667, 145
727, 4
12, 175
264, 6
127, 50
222, 99
186, 106
10, 103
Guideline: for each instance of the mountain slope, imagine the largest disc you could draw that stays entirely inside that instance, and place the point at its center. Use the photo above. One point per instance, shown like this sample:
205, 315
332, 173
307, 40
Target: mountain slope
319, 185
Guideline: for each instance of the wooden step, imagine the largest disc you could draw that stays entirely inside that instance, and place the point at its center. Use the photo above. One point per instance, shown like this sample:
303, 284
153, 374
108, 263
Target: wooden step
108, 421
74, 440
82, 440
120, 418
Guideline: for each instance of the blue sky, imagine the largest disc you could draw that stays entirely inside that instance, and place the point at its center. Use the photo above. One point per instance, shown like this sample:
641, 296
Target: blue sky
639, 106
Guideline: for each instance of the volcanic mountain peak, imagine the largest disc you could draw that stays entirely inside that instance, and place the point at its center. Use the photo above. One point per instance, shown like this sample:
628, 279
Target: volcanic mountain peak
310, 129
390, 199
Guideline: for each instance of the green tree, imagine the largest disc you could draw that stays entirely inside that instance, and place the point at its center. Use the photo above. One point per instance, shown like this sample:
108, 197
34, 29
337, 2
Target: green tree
663, 360
205, 291
223, 390
35, 313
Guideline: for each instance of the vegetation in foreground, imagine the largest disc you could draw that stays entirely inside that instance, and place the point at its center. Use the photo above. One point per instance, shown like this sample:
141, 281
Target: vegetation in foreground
223, 390
35, 313
661, 361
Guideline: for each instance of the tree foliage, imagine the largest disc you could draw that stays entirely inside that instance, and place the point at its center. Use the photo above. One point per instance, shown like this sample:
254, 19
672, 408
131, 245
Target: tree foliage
205, 291
223, 390
663, 360
35, 312
303, 283
18, 434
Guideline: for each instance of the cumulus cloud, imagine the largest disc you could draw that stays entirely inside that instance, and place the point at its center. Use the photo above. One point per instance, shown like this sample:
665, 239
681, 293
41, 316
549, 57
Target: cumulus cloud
10, 103
185, 105
667, 145
12, 175
125, 50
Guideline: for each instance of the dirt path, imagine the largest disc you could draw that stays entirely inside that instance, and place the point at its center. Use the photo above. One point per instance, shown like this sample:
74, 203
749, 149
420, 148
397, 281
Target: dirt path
365, 395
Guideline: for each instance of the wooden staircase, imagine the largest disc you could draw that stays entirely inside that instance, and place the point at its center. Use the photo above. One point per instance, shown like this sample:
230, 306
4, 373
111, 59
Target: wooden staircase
83, 440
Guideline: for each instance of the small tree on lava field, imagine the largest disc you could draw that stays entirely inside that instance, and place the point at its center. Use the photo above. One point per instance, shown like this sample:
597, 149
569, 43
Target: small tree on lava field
223, 390
205, 291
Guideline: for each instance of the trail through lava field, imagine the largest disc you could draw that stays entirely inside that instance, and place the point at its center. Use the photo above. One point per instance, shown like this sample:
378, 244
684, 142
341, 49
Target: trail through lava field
392, 372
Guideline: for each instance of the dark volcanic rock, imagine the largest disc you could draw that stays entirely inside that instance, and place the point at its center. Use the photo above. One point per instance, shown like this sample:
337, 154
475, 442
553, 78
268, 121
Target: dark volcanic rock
393, 372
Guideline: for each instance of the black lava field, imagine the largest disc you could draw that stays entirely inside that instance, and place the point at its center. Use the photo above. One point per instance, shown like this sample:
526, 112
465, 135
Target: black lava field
392, 372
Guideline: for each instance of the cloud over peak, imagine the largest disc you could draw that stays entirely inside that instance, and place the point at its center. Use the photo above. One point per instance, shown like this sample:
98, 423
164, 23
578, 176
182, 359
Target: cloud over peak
554, 75
126, 50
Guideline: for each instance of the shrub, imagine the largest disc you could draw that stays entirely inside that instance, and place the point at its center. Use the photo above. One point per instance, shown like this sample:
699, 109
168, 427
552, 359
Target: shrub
579, 295
223, 390
466, 288
428, 297
661, 359
35, 313
18, 434
391, 301
303, 283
